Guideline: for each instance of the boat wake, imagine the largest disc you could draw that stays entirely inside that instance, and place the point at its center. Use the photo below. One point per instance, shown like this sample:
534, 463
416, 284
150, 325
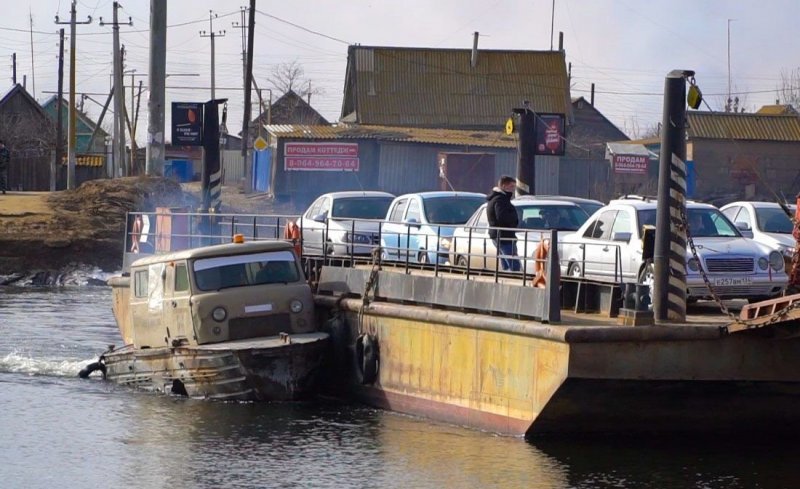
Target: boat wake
72, 276
15, 362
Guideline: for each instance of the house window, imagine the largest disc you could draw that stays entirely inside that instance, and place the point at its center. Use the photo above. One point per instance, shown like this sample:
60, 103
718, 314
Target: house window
140, 283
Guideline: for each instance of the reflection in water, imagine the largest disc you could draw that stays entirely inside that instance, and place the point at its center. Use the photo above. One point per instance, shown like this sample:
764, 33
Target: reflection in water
59, 431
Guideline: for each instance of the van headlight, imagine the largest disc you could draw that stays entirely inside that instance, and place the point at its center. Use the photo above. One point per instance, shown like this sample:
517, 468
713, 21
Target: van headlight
775, 260
296, 305
763, 263
219, 314
693, 265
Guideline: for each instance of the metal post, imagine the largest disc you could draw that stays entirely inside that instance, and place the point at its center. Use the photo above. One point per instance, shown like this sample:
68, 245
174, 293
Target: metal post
251, 25
669, 258
212, 35
59, 114
119, 97
157, 82
526, 152
14, 68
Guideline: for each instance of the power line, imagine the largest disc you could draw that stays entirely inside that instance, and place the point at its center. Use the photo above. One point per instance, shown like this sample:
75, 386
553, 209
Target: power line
311, 31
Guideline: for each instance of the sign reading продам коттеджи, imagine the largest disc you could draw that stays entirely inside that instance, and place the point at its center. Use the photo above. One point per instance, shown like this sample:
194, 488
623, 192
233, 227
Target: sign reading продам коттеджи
631, 164
320, 157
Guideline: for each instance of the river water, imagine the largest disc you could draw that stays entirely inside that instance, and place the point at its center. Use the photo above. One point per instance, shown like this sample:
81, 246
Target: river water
57, 431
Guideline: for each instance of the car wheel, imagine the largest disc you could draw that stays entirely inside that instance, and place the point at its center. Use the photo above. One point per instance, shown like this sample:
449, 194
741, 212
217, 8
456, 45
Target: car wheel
462, 261
574, 270
423, 258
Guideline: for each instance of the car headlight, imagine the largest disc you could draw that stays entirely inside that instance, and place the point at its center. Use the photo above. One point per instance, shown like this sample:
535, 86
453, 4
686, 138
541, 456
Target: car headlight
786, 251
296, 305
763, 263
693, 265
776, 261
219, 314
445, 243
356, 238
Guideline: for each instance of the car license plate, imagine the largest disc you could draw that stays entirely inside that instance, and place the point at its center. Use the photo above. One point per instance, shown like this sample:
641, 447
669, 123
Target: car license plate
731, 281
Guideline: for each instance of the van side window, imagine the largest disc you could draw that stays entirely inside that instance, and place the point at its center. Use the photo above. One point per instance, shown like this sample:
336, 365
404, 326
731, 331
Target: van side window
413, 211
181, 278
140, 283
397, 212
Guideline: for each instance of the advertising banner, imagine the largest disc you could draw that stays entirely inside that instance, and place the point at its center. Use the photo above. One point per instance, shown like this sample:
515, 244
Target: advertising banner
635, 164
321, 157
187, 124
550, 134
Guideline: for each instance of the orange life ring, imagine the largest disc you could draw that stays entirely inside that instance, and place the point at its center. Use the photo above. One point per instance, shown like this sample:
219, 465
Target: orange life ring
540, 257
292, 233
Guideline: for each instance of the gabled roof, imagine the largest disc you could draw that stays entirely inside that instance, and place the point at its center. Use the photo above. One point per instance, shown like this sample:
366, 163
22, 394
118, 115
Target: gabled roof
426, 87
477, 139
81, 115
291, 108
756, 127
19, 90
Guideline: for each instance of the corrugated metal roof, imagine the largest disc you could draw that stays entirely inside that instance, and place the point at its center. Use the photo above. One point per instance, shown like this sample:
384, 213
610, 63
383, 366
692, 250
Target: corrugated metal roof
480, 139
759, 127
777, 110
439, 88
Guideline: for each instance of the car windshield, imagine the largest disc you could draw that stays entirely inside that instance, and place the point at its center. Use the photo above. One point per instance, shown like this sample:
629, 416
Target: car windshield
773, 220
703, 223
589, 207
451, 210
360, 207
559, 217
222, 272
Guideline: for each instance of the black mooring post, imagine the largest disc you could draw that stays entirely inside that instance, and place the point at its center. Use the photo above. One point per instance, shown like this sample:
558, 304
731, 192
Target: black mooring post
526, 152
669, 258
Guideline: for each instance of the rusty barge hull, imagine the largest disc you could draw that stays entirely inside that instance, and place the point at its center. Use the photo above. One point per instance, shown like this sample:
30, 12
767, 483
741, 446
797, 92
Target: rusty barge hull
262, 369
521, 377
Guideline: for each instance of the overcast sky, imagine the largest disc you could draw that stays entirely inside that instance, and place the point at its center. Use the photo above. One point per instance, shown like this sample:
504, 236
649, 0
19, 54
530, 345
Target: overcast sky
624, 46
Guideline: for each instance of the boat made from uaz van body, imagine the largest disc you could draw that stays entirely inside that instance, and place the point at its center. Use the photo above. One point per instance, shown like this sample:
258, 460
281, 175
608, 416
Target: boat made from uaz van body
232, 321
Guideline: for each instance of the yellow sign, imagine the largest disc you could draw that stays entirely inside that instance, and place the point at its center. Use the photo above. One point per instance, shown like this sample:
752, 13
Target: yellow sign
260, 144
510, 126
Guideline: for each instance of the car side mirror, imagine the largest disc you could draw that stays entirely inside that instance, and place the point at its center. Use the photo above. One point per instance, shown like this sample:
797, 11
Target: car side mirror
320, 217
412, 222
743, 226
621, 237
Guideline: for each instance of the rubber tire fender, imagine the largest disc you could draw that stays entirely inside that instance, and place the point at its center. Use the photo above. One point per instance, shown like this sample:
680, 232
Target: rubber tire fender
91, 368
366, 359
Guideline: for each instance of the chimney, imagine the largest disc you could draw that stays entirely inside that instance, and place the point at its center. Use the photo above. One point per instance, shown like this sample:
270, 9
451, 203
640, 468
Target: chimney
474, 59
25, 82
560, 41
591, 98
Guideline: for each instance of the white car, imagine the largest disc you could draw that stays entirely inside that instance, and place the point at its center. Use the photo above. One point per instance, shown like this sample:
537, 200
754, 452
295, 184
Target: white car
418, 226
344, 223
609, 247
472, 244
765, 222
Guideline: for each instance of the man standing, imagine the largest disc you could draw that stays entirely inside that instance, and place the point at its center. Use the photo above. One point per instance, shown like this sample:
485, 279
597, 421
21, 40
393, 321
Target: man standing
5, 158
501, 213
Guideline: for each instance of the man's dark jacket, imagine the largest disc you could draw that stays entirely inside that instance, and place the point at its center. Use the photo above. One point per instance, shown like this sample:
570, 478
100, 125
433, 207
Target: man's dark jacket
501, 213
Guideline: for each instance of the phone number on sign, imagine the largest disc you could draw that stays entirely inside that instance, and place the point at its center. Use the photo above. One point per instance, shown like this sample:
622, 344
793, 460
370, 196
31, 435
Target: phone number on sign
321, 164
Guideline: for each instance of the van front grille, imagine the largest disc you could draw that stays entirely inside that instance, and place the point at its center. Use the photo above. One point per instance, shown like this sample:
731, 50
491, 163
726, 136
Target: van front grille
256, 327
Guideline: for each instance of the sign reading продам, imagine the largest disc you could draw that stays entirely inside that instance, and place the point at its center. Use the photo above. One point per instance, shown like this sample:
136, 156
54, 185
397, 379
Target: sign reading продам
631, 164
320, 157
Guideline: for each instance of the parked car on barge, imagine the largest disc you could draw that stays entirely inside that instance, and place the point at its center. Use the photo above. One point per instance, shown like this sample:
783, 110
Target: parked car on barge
232, 321
765, 222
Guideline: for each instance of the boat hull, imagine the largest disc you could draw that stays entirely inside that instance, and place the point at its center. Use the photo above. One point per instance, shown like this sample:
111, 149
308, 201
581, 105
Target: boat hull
260, 369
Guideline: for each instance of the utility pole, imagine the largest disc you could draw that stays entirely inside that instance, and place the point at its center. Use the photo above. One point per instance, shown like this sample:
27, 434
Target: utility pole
71, 139
242, 25
119, 97
59, 114
14, 68
157, 82
212, 35
251, 25
669, 256
33, 68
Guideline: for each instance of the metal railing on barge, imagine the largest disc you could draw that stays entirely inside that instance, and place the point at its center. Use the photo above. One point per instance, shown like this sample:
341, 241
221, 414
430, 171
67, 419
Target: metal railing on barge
452, 251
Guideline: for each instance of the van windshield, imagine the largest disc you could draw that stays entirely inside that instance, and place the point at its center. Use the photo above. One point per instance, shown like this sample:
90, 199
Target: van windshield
223, 272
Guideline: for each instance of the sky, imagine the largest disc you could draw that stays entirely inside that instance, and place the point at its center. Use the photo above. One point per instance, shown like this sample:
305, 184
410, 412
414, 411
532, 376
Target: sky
625, 47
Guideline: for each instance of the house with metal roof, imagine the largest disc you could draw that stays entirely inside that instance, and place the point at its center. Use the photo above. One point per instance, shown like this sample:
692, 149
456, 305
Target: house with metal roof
733, 156
85, 127
450, 88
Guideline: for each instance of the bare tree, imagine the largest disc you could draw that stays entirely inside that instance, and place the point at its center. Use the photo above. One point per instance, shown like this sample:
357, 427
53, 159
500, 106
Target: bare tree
291, 76
789, 90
